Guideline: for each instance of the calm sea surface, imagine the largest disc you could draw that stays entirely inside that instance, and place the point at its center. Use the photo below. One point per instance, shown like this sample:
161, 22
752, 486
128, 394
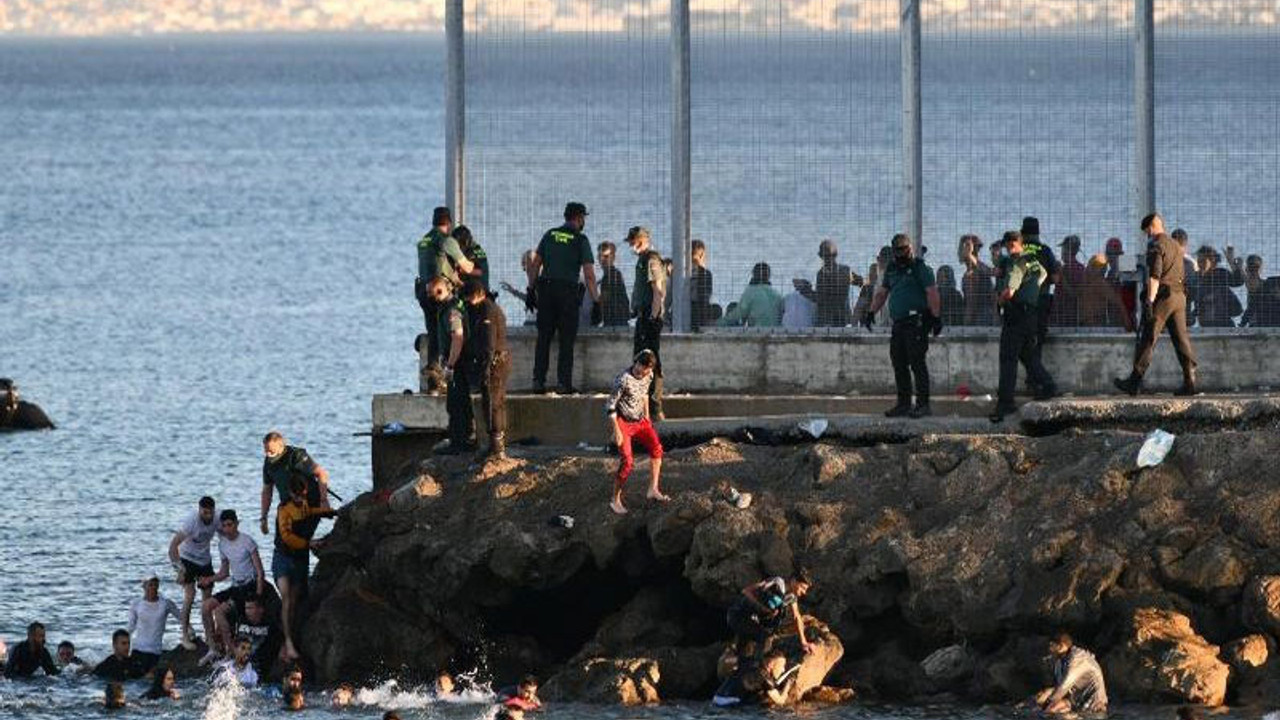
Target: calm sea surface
204, 240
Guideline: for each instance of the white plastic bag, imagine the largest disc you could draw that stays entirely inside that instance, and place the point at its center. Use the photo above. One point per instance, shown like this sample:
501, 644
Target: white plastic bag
815, 427
1155, 448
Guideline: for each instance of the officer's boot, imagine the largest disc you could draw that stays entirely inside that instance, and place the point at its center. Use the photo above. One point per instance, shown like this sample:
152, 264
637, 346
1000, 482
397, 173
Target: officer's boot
497, 447
902, 409
1130, 385
1188, 388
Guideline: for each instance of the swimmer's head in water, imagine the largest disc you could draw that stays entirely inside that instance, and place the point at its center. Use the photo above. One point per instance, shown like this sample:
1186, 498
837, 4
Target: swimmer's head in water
66, 652
243, 649
120, 643
444, 683
293, 679
35, 634
113, 698
343, 695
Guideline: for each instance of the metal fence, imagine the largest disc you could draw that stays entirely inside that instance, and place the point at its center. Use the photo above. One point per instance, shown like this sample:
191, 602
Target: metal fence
828, 120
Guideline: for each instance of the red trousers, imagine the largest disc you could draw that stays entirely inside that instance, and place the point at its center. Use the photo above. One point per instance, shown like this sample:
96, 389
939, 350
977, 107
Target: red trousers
643, 432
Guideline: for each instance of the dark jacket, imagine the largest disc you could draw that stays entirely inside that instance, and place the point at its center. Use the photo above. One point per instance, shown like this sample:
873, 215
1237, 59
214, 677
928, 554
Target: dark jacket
24, 661
615, 307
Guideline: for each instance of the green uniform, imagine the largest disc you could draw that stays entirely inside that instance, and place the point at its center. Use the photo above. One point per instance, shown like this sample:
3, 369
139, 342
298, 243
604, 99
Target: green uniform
907, 285
438, 254
477, 256
453, 317
649, 270
564, 251
1024, 275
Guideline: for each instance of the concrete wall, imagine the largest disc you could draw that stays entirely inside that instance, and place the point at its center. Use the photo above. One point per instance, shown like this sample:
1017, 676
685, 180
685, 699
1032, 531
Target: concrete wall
848, 362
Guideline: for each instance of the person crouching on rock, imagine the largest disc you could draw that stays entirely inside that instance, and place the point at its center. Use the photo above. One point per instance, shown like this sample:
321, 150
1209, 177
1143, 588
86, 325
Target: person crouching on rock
1080, 687
628, 412
756, 614
766, 684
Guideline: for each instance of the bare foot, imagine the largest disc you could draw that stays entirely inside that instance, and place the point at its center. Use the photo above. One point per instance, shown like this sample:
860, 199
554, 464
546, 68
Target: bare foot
657, 496
616, 506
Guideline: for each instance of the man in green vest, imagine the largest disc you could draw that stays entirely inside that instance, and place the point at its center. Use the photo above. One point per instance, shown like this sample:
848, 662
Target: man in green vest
453, 327
915, 307
438, 256
647, 304
562, 254
1018, 294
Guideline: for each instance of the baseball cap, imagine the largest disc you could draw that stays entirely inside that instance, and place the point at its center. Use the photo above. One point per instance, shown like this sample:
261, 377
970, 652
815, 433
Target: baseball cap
1115, 247
574, 209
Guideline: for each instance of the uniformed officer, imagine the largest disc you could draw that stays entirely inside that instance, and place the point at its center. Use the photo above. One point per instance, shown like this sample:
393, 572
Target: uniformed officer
453, 333
472, 250
1043, 254
438, 256
1164, 305
486, 362
562, 253
1018, 294
648, 296
916, 310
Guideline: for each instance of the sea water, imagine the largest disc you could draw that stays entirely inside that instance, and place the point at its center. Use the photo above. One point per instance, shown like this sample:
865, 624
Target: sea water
200, 241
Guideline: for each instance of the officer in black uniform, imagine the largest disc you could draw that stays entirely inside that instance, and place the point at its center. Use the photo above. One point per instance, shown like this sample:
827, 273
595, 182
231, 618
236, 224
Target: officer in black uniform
1164, 305
562, 253
453, 338
486, 363
915, 307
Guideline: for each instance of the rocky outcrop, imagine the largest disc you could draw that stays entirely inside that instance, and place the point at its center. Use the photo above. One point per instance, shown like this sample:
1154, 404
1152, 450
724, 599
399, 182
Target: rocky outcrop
1162, 657
941, 563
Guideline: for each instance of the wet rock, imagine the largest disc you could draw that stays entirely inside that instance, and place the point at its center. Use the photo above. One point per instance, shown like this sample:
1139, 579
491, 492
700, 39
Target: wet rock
827, 695
607, 681
1250, 651
1261, 605
948, 665
1163, 659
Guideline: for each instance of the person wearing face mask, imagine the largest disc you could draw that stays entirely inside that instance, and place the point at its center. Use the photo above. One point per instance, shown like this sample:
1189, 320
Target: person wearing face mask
1019, 295
915, 307
647, 304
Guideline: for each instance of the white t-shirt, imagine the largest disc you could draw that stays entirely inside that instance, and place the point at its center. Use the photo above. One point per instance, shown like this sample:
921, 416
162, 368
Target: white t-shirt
227, 673
797, 311
238, 554
195, 546
146, 624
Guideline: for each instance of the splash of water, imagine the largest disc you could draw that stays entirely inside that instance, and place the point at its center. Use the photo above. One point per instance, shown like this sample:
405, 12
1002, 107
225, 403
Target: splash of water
224, 702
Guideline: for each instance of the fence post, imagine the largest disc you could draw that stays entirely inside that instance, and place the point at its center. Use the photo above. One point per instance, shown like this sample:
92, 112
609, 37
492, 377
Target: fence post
913, 164
455, 110
681, 165
1144, 112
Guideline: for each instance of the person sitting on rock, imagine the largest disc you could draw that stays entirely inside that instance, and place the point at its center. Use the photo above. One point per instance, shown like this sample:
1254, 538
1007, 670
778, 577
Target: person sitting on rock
757, 614
628, 411
766, 684
1080, 687
522, 697
18, 414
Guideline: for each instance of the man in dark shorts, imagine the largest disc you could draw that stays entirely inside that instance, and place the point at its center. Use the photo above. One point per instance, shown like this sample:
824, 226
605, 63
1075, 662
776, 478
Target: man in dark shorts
30, 655
243, 565
291, 560
189, 555
756, 614
120, 665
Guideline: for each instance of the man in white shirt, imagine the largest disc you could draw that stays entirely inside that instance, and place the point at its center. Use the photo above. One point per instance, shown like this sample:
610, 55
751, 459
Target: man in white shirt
237, 669
147, 617
189, 555
243, 565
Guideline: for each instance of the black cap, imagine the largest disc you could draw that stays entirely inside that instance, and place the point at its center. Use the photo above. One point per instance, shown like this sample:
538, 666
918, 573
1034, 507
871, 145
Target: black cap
1030, 226
441, 215
574, 209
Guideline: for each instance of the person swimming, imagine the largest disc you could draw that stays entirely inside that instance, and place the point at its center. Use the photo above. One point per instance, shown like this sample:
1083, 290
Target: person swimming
343, 695
523, 696
113, 697
163, 685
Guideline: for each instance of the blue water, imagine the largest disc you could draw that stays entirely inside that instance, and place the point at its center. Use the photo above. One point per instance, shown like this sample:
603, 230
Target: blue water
207, 239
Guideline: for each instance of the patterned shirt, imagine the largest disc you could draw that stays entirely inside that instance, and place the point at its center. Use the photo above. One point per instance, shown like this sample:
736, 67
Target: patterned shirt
630, 397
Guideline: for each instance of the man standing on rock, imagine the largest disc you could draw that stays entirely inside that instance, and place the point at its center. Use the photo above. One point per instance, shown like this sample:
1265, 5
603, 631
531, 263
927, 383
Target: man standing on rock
915, 307
756, 614
439, 255
291, 560
1164, 306
628, 413
1079, 685
1018, 293
486, 362
562, 253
